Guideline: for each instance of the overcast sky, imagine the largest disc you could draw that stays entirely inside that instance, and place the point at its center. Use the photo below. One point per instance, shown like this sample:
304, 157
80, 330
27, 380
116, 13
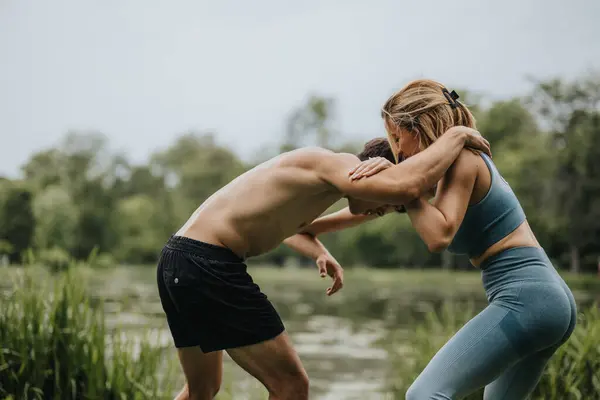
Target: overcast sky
144, 71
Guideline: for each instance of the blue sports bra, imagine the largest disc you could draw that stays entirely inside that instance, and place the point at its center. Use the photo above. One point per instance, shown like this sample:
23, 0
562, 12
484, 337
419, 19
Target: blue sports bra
491, 219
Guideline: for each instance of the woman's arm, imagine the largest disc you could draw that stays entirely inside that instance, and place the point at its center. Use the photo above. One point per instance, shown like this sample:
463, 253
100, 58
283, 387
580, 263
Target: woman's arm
438, 222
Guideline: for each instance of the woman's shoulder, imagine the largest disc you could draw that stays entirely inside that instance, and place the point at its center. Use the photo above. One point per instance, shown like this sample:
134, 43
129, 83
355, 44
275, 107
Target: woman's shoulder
468, 162
466, 169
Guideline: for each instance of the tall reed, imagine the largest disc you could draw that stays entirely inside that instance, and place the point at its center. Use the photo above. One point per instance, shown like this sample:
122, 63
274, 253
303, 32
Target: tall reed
54, 345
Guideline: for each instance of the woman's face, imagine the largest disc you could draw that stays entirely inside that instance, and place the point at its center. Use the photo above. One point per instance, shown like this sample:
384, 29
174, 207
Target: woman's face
404, 143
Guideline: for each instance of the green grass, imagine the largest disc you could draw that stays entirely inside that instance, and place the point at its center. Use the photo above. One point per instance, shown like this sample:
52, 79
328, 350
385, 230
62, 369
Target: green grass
54, 345
572, 373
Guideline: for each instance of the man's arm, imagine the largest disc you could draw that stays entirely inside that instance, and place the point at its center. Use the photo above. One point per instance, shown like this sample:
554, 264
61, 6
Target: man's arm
406, 181
336, 221
340, 220
312, 247
307, 245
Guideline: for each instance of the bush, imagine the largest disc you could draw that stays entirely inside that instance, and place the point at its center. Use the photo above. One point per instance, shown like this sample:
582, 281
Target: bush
100, 260
5, 247
572, 372
54, 346
56, 259
104, 260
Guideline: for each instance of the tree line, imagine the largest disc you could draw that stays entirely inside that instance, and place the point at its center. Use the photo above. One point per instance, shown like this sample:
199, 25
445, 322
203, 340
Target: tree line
79, 197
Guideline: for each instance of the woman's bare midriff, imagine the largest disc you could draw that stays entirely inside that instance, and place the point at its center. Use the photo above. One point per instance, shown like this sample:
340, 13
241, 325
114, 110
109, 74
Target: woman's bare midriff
521, 237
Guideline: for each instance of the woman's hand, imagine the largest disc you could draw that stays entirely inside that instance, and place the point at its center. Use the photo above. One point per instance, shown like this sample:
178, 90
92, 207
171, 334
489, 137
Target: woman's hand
473, 140
369, 167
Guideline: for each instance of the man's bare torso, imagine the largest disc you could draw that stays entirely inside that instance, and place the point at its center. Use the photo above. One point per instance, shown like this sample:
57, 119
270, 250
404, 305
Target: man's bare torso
262, 207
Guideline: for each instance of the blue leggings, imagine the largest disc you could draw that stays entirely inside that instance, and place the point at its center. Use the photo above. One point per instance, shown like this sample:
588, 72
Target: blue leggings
505, 348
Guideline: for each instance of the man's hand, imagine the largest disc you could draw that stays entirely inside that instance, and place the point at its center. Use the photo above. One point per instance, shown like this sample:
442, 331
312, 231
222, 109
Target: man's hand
369, 167
329, 266
473, 140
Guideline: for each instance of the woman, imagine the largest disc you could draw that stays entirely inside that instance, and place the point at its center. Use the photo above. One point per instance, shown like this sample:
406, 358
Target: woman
531, 310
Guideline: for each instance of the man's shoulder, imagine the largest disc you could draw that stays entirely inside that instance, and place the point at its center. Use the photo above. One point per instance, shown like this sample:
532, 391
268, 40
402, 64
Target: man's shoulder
326, 165
317, 157
312, 151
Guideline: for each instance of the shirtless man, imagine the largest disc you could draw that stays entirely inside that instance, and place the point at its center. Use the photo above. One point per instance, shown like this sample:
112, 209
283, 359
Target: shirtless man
212, 303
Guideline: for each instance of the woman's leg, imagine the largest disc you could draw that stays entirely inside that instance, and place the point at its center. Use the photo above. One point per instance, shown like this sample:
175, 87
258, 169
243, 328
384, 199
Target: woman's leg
475, 356
518, 381
520, 321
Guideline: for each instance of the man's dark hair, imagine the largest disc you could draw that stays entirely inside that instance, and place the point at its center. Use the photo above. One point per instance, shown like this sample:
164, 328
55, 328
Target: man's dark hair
378, 147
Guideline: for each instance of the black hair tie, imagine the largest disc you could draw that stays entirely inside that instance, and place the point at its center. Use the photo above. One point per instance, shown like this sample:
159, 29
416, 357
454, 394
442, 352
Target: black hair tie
451, 97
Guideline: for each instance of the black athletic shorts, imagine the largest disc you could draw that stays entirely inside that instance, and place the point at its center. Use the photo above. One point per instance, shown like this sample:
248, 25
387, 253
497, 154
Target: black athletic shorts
210, 299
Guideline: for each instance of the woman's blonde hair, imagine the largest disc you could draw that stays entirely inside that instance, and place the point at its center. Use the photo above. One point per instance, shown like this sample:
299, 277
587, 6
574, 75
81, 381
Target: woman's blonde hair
425, 108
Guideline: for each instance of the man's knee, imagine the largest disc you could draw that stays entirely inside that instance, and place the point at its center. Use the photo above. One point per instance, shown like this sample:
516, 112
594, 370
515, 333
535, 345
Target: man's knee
291, 387
205, 390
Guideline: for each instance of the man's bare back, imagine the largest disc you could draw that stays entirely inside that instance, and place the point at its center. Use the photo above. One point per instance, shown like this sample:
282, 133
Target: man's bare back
257, 211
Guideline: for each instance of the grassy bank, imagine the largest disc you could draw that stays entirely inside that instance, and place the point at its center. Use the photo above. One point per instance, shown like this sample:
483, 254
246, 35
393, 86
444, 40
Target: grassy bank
54, 345
572, 373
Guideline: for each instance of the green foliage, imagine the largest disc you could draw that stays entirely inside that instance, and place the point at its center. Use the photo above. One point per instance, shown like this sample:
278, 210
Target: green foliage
45, 168
508, 124
136, 226
571, 110
55, 258
570, 374
17, 221
54, 345
56, 218
103, 260
197, 167
5, 247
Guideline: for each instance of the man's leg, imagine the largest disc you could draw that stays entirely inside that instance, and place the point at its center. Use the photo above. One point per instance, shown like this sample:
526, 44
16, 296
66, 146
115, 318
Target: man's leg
203, 373
276, 365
